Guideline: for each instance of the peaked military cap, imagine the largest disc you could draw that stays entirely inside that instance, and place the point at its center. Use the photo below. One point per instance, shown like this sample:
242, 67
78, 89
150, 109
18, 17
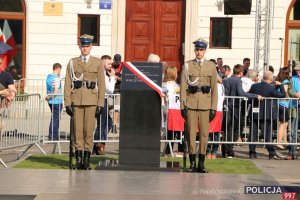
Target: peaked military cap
200, 44
86, 39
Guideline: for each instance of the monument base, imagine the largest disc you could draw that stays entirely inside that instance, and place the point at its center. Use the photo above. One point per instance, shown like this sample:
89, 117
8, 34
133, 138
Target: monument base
167, 166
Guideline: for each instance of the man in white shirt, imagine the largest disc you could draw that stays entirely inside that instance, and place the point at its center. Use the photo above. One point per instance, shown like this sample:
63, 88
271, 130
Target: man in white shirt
104, 122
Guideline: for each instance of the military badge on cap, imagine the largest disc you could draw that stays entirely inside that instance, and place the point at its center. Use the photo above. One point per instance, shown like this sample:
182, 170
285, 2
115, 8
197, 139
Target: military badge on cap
86, 40
200, 44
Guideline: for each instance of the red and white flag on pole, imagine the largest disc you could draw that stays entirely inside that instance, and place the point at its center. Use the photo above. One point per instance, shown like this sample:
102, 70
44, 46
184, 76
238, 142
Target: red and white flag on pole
4, 56
216, 124
8, 38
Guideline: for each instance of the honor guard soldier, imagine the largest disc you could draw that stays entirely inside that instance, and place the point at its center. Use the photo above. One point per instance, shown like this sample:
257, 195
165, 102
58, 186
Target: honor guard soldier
199, 96
84, 98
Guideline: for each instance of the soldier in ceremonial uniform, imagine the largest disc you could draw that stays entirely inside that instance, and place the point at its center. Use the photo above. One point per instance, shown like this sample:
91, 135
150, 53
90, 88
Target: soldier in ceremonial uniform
198, 103
84, 98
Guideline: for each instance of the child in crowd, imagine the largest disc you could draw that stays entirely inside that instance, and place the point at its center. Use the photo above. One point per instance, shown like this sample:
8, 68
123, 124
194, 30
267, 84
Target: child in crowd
175, 122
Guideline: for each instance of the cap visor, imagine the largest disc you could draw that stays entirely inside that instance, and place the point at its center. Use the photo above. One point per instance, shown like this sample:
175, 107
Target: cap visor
198, 48
85, 44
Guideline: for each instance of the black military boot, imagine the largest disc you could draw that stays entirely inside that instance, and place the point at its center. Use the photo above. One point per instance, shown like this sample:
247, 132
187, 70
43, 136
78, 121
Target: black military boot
201, 168
86, 160
78, 154
192, 163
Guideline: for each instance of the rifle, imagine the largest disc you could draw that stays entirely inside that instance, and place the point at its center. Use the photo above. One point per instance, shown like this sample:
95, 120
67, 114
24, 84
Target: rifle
72, 140
185, 145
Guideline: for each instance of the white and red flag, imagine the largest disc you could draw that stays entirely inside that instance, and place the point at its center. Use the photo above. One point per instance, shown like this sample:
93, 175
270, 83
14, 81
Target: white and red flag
1, 36
216, 124
175, 120
4, 56
8, 38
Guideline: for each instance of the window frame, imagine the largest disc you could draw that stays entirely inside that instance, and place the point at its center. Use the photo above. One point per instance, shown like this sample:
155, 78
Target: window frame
288, 25
218, 19
97, 36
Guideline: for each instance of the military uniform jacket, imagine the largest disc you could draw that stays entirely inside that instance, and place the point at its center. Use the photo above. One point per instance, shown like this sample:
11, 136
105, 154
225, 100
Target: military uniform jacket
92, 71
207, 75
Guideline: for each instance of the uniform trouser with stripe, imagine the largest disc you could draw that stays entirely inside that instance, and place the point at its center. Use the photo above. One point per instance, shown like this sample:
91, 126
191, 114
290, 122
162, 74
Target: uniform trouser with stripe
198, 119
84, 117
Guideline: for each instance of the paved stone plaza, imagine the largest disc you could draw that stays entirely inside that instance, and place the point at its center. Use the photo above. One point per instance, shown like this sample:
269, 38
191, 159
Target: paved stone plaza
65, 184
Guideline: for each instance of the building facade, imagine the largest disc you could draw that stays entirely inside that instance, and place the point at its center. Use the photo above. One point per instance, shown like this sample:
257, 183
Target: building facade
46, 31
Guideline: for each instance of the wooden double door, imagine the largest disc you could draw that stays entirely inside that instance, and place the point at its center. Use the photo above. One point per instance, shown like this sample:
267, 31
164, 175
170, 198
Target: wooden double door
155, 26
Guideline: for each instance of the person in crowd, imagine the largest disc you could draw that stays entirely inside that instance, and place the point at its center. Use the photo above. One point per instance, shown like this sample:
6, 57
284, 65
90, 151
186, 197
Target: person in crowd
84, 93
175, 122
231, 126
219, 67
4, 92
153, 58
198, 103
266, 113
118, 73
271, 69
292, 65
226, 71
55, 100
14, 73
7, 88
248, 80
7, 91
215, 126
104, 121
283, 77
294, 92
246, 65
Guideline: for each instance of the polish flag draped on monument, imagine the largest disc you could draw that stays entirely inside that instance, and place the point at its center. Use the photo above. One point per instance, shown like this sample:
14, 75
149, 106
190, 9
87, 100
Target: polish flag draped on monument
8, 38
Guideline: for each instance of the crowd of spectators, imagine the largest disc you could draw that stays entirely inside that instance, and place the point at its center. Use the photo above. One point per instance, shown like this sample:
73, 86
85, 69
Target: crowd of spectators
238, 81
259, 118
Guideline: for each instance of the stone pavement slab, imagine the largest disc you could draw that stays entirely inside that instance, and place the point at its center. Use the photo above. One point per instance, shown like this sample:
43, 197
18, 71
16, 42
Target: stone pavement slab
286, 172
65, 184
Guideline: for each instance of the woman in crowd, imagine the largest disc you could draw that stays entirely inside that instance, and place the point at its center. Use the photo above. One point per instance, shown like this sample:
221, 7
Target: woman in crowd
294, 92
283, 77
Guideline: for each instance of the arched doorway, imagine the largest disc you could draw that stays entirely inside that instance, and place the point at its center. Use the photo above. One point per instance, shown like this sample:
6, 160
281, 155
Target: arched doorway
292, 33
12, 32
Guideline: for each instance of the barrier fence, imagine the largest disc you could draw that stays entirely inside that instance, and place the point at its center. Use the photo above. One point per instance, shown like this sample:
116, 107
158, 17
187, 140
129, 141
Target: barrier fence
245, 121
20, 122
260, 122
106, 130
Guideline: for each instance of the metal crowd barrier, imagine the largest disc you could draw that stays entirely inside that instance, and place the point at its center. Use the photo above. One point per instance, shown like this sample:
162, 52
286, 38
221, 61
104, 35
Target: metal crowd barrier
250, 121
31, 86
20, 123
239, 117
106, 129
